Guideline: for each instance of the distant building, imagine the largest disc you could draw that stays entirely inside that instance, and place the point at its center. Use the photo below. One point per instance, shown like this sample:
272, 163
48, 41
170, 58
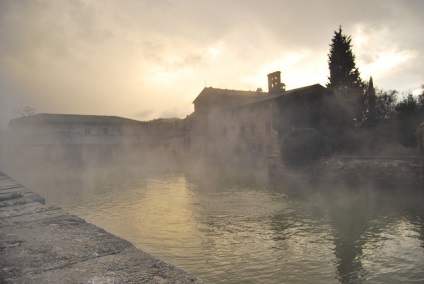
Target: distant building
214, 110
275, 86
226, 126
74, 137
92, 137
232, 125
66, 129
166, 134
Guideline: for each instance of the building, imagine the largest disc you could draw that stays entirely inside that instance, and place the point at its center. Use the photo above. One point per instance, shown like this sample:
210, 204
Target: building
166, 135
75, 137
66, 129
216, 119
226, 126
245, 126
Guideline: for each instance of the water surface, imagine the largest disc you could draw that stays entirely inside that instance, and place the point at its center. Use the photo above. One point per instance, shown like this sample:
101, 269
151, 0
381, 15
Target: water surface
227, 229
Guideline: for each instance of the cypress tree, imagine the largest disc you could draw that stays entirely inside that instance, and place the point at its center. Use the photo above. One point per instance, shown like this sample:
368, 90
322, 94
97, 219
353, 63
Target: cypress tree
344, 80
371, 102
344, 75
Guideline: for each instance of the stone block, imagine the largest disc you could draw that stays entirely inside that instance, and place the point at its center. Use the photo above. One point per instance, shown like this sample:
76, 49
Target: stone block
44, 244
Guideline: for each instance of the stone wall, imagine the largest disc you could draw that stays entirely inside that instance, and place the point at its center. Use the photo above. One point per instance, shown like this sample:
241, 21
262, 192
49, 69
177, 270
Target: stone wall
380, 171
44, 244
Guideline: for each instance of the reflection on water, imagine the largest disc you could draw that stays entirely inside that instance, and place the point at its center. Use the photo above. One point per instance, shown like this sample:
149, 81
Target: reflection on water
239, 231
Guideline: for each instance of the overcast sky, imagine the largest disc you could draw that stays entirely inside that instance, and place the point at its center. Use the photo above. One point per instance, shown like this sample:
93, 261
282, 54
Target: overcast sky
149, 59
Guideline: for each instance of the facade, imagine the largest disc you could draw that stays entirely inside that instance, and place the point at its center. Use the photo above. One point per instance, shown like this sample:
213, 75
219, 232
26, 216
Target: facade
241, 126
74, 137
92, 138
226, 126
166, 135
68, 129
220, 121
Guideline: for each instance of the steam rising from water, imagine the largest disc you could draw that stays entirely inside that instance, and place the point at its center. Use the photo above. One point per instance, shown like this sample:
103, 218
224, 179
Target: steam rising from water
234, 229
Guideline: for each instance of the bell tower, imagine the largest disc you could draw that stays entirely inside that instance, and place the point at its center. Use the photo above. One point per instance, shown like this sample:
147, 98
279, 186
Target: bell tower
274, 83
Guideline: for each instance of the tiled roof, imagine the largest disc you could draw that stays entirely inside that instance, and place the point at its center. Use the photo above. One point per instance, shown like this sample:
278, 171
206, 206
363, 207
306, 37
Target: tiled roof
294, 92
213, 96
74, 118
216, 96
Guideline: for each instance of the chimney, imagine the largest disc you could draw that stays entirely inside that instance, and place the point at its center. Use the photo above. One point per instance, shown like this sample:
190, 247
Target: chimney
274, 83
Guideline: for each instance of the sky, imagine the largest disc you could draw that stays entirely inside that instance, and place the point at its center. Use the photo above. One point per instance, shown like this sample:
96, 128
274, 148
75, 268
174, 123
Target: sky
143, 59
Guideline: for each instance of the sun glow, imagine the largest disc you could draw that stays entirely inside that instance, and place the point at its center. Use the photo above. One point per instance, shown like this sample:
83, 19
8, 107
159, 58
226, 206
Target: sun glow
375, 55
386, 61
417, 92
292, 74
215, 50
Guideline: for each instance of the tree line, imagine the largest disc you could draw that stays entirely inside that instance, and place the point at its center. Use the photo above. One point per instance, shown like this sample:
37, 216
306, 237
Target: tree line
354, 117
374, 111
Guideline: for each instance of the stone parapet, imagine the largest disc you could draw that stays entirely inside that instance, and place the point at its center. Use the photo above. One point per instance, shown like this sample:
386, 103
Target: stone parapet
384, 171
44, 244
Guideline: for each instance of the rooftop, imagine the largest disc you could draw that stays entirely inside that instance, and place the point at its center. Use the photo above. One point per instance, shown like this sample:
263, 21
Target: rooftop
234, 98
211, 95
67, 118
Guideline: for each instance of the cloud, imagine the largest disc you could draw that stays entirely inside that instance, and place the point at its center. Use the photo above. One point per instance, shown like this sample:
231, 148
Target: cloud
120, 57
380, 54
172, 56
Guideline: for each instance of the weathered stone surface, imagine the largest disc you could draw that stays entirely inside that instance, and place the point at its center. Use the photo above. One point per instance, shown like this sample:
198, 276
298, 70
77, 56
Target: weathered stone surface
128, 266
27, 213
44, 244
13, 193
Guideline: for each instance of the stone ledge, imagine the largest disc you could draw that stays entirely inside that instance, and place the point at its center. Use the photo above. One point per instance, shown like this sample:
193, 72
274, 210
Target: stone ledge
44, 244
387, 172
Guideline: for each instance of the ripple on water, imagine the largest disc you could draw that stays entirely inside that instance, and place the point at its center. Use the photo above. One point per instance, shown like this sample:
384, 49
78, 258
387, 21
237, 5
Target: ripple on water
229, 233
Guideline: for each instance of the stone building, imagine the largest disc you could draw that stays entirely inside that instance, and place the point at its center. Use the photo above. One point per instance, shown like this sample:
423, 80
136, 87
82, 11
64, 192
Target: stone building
74, 137
241, 126
215, 123
226, 126
166, 135
43, 129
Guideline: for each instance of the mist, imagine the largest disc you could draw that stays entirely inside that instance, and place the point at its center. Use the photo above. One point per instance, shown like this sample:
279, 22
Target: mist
223, 146
213, 194
120, 59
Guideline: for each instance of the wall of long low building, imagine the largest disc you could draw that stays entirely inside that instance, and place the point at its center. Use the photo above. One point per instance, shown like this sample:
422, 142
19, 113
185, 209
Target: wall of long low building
25, 156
